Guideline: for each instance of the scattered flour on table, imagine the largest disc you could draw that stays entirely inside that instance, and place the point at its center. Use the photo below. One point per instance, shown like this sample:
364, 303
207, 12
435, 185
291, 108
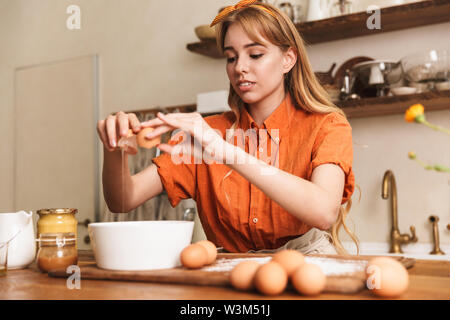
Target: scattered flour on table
329, 266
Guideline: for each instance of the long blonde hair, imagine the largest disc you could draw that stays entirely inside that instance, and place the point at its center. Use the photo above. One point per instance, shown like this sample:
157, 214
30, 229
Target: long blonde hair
300, 82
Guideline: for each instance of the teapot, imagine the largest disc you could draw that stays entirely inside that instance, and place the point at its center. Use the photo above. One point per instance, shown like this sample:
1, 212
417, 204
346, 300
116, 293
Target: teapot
17, 230
319, 9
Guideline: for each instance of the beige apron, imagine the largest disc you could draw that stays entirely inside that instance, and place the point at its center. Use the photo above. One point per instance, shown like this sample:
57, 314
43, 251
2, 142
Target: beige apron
315, 241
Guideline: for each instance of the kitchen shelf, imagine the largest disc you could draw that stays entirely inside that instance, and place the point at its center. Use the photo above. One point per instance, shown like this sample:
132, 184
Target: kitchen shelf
361, 108
382, 106
207, 48
354, 25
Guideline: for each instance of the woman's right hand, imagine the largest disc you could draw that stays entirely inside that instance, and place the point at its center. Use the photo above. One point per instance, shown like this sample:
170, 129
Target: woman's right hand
116, 126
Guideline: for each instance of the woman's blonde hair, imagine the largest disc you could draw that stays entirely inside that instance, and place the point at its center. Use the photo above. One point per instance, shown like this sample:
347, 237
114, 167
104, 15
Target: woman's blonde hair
300, 82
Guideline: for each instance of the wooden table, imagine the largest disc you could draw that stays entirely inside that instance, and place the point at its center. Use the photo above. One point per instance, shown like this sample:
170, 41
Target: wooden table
429, 279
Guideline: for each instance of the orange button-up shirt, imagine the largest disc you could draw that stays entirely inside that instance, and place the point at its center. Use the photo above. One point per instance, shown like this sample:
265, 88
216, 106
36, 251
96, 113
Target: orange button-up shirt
234, 213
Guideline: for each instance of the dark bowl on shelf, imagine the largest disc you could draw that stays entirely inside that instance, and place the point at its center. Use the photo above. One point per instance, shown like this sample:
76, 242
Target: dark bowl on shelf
373, 78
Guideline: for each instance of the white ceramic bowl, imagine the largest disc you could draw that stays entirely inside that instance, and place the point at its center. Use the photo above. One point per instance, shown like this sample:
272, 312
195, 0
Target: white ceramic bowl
139, 245
442, 85
398, 91
205, 32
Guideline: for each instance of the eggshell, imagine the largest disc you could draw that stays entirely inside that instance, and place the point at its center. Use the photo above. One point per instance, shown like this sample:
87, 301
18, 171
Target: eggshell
290, 260
130, 133
309, 279
194, 256
210, 248
243, 274
270, 278
128, 143
143, 142
386, 277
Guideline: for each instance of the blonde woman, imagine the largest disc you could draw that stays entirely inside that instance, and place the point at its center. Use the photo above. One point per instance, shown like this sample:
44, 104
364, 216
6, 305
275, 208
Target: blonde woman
272, 173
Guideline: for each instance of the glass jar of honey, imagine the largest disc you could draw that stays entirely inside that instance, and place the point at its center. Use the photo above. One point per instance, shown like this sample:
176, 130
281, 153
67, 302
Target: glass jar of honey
57, 221
56, 251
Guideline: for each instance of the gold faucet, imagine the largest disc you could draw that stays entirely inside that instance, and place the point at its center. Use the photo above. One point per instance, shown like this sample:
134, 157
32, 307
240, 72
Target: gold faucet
434, 220
397, 239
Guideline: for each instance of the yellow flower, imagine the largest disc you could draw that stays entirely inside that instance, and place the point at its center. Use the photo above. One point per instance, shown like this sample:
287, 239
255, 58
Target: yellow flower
415, 113
411, 155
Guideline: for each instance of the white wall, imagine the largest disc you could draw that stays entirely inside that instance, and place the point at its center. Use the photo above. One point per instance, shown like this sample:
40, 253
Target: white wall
144, 63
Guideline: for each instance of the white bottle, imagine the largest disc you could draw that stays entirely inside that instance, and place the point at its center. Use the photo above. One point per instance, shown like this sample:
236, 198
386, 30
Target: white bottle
319, 9
314, 10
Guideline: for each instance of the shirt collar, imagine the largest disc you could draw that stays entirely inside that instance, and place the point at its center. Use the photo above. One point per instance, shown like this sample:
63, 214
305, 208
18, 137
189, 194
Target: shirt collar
279, 119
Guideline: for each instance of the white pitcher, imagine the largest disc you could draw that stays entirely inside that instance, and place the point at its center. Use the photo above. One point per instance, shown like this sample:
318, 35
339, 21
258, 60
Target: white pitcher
17, 229
319, 9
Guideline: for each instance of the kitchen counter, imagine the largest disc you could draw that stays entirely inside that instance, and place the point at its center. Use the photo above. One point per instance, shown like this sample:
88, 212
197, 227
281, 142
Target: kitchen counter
429, 279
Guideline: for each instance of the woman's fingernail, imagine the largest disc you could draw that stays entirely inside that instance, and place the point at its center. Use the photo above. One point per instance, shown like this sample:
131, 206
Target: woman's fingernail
113, 143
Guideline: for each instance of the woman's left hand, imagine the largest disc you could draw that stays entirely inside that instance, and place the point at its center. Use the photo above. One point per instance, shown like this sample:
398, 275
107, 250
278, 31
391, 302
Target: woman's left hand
207, 140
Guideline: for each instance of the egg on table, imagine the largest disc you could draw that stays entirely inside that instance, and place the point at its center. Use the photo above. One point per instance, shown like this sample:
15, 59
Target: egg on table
243, 274
289, 259
309, 279
271, 278
386, 277
210, 248
194, 256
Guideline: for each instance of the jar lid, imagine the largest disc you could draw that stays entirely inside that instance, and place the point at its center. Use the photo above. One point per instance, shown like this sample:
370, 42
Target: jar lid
56, 239
57, 211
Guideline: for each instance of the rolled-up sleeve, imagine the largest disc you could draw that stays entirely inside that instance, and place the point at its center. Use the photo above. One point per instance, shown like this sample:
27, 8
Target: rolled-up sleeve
334, 144
178, 179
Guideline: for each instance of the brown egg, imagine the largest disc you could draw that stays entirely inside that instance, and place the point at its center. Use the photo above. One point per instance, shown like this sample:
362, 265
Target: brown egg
309, 279
194, 256
242, 275
386, 277
270, 278
210, 248
143, 142
290, 260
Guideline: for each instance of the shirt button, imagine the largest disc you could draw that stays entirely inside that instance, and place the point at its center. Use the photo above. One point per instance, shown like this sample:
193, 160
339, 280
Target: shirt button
255, 220
261, 150
277, 139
